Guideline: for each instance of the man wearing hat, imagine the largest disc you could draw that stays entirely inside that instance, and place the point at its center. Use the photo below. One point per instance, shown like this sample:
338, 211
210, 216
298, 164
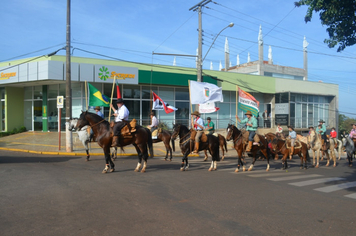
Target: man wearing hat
121, 115
99, 113
198, 125
251, 124
210, 126
154, 122
322, 129
292, 136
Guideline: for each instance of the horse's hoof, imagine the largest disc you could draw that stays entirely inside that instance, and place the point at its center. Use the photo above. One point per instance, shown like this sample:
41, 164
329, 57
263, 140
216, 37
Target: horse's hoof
317, 166
243, 169
170, 159
327, 165
104, 172
334, 165
136, 170
249, 169
143, 170
210, 169
236, 170
181, 169
214, 168
165, 159
112, 169
222, 158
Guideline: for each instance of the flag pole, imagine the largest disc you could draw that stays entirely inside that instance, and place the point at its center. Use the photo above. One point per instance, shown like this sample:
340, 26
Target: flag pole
151, 95
86, 96
191, 107
112, 94
237, 100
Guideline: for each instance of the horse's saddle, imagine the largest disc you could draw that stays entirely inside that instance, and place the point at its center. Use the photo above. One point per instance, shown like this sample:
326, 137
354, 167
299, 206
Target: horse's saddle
128, 129
245, 135
297, 144
193, 133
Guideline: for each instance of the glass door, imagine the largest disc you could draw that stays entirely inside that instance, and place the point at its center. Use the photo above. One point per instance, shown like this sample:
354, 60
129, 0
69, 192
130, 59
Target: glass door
37, 115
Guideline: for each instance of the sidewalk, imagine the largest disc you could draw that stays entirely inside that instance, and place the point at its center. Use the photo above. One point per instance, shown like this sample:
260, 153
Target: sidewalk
48, 143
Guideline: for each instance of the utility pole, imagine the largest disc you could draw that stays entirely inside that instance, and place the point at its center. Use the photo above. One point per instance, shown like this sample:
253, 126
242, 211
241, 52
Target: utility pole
198, 7
69, 143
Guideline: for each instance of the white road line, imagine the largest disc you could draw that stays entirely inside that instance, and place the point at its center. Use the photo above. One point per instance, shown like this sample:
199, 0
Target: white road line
352, 195
294, 177
336, 187
315, 181
274, 174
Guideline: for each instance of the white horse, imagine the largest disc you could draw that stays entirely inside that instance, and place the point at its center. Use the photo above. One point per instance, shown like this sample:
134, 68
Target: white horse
82, 134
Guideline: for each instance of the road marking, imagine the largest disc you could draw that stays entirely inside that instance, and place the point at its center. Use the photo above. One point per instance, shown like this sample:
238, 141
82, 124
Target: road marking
352, 195
336, 187
294, 177
275, 174
315, 181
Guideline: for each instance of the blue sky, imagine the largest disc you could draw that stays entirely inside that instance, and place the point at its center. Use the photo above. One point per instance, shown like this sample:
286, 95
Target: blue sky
132, 30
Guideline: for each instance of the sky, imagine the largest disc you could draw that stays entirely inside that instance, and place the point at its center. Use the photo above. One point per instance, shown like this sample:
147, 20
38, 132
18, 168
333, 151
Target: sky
133, 30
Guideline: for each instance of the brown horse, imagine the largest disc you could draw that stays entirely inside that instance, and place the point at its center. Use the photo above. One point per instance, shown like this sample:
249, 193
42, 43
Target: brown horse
283, 147
235, 134
165, 137
140, 139
223, 146
270, 137
186, 144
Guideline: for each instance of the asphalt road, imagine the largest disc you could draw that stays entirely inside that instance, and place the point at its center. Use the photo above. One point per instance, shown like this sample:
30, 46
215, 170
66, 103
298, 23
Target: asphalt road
55, 195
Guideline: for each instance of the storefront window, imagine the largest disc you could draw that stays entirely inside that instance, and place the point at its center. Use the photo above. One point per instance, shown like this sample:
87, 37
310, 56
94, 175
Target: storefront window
52, 91
226, 96
28, 92
134, 108
146, 91
76, 90
224, 115
37, 92
62, 90
165, 93
131, 91
182, 94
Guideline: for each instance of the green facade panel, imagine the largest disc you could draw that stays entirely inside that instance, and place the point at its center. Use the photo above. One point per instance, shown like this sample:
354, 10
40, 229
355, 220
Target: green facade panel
14, 104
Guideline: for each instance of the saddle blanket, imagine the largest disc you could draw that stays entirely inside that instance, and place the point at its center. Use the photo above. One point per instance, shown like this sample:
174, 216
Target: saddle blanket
154, 134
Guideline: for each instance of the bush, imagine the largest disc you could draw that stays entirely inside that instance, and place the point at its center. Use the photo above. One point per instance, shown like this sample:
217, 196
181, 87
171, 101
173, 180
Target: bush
14, 131
163, 125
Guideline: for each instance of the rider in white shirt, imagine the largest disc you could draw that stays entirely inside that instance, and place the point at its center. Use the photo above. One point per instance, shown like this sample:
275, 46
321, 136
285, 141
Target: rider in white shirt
121, 117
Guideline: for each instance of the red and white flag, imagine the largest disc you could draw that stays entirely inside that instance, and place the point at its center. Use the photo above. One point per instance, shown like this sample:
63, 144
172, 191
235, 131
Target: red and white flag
159, 104
208, 107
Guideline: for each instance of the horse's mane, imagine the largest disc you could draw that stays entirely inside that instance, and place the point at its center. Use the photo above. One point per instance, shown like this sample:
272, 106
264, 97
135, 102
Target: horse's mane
185, 128
96, 118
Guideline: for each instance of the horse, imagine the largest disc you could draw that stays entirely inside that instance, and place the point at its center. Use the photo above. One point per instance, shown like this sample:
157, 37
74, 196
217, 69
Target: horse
339, 147
165, 137
330, 146
314, 142
82, 134
223, 146
186, 144
349, 145
140, 139
280, 146
270, 137
235, 134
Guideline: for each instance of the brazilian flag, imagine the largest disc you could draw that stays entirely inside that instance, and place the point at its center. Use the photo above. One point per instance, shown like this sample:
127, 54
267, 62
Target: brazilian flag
96, 98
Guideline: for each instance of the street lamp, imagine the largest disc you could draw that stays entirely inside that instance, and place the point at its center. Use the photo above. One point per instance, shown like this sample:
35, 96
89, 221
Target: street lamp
200, 60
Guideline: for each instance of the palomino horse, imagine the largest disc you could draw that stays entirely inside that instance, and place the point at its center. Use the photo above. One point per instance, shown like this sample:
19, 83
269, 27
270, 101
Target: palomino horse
223, 147
185, 143
349, 145
314, 142
283, 147
330, 146
235, 134
140, 139
165, 137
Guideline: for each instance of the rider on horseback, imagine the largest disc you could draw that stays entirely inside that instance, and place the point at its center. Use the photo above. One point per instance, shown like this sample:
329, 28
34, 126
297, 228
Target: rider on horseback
293, 137
322, 129
121, 115
198, 125
251, 124
154, 122
353, 132
279, 130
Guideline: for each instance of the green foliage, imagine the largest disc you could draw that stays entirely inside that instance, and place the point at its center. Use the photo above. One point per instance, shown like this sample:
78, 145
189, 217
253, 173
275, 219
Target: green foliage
162, 125
14, 131
345, 123
339, 17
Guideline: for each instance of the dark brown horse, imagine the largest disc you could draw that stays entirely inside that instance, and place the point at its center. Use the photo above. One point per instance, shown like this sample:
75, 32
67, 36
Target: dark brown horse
235, 134
165, 137
270, 137
283, 147
223, 147
140, 139
186, 144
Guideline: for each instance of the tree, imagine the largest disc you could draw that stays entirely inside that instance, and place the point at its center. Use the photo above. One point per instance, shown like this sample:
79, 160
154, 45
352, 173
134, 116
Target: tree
338, 15
345, 123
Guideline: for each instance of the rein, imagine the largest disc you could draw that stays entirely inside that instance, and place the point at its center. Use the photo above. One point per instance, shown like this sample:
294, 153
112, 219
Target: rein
181, 139
97, 123
281, 147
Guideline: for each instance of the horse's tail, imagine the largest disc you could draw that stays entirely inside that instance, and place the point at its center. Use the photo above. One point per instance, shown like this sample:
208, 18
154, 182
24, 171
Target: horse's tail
173, 147
150, 142
225, 144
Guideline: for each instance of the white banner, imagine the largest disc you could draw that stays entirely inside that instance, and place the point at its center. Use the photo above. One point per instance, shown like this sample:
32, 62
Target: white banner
208, 107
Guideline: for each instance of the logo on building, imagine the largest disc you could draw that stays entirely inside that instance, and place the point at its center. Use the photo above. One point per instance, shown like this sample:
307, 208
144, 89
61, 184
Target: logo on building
104, 74
7, 75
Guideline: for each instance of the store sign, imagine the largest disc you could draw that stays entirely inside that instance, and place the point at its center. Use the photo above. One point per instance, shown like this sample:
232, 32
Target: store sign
7, 75
126, 75
281, 108
281, 119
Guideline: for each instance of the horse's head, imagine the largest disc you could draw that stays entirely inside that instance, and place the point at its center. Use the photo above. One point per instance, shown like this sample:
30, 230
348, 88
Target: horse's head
73, 124
82, 121
270, 136
176, 130
230, 130
274, 144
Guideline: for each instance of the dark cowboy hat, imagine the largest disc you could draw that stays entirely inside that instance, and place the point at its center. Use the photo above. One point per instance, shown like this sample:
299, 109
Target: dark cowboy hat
119, 100
289, 126
321, 121
248, 113
196, 113
208, 118
97, 108
152, 113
